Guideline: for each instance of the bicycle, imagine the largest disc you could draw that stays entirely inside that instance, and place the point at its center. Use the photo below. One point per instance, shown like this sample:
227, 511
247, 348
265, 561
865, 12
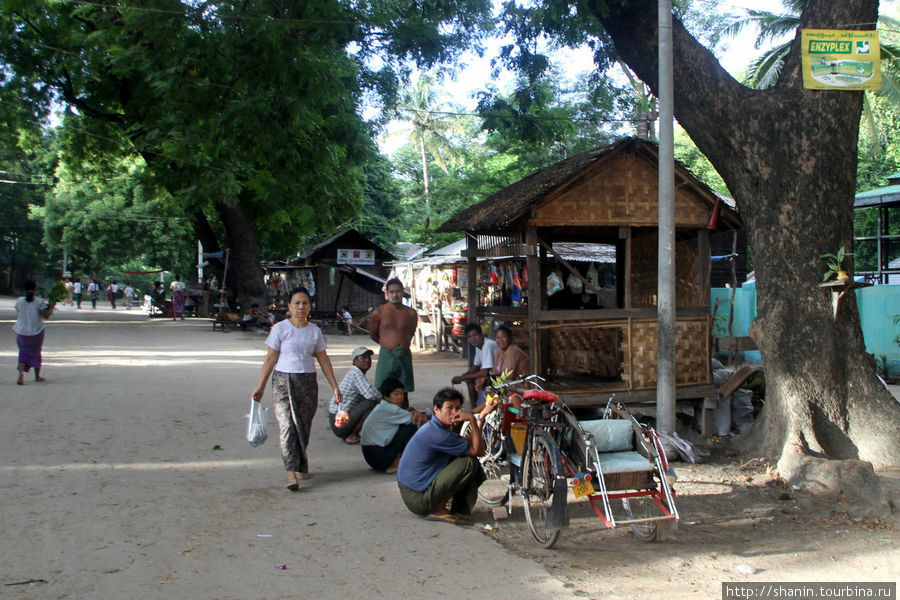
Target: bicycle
548, 450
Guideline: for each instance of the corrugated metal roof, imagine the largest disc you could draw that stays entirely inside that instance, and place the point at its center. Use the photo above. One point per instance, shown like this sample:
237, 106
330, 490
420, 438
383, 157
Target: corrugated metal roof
884, 195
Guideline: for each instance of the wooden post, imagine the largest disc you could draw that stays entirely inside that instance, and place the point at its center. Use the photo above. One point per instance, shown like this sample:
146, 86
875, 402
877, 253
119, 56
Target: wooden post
472, 270
625, 234
535, 298
704, 266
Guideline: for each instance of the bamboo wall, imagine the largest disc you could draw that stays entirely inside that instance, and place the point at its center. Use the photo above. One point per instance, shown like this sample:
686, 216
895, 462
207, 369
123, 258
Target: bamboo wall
624, 350
644, 264
621, 191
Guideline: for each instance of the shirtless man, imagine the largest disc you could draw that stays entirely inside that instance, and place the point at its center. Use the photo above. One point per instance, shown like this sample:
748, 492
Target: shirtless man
392, 326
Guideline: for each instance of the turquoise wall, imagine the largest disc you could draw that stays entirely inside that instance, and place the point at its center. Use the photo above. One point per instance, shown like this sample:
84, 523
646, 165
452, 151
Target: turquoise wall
877, 306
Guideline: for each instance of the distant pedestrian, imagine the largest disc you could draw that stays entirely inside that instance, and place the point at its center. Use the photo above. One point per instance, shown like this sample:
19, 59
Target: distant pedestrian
177, 288
31, 312
78, 290
70, 288
94, 292
129, 296
111, 290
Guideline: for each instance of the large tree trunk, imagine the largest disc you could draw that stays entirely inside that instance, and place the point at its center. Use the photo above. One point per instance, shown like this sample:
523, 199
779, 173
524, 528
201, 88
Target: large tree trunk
246, 277
789, 157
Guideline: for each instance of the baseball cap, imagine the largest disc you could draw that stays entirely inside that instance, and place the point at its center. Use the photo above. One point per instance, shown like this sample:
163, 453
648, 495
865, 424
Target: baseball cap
359, 351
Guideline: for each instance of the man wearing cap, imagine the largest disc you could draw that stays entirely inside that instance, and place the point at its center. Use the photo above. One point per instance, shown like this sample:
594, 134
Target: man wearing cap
359, 398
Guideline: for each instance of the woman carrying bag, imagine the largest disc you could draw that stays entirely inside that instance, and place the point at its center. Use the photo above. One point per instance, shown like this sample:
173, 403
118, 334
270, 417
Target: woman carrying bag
292, 345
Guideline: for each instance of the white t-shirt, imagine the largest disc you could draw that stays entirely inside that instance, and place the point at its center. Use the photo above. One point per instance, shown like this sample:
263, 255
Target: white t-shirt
296, 346
77, 287
176, 286
486, 355
29, 321
129, 292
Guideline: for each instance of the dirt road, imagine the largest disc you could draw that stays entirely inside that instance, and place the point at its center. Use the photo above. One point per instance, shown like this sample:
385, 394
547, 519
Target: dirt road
126, 475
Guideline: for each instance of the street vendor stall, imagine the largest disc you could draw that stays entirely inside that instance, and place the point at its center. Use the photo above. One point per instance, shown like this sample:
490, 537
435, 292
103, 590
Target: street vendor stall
591, 326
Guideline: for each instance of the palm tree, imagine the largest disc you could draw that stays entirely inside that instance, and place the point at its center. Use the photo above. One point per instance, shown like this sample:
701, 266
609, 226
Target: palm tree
429, 130
763, 71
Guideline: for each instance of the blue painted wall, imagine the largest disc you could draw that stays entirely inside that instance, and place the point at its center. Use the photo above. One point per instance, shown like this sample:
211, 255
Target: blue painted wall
878, 305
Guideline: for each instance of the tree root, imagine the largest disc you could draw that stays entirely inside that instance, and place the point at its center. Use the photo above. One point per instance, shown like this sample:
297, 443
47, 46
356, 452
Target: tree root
853, 483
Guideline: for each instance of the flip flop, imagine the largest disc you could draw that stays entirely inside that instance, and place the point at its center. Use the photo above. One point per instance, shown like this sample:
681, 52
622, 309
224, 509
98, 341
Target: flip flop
446, 518
462, 517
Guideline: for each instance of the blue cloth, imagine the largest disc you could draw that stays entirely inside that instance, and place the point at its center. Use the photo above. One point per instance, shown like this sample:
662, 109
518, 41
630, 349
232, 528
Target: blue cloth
428, 452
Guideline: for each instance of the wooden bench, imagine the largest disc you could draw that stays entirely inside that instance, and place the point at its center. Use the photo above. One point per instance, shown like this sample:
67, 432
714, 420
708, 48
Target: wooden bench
225, 320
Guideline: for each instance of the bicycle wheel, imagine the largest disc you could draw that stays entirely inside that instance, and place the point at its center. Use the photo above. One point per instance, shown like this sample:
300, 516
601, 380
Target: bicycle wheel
538, 479
643, 507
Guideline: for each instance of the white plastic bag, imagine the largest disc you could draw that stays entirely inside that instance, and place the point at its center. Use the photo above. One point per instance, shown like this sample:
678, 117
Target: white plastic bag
256, 424
554, 283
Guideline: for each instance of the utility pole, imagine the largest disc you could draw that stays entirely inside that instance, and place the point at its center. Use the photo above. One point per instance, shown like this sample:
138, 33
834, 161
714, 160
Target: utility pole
665, 361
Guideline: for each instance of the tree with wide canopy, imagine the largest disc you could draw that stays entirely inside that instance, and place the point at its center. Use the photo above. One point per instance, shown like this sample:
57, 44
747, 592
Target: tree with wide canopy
788, 155
247, 113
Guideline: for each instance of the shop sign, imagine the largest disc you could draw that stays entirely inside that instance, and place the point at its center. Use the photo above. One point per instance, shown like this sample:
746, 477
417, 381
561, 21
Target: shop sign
349, 256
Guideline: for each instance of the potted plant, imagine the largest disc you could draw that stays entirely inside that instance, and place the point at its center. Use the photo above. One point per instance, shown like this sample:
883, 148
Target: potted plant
835, 262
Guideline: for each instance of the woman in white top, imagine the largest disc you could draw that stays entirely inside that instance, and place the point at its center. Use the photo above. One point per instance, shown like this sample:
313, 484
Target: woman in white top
292, 345
29, 329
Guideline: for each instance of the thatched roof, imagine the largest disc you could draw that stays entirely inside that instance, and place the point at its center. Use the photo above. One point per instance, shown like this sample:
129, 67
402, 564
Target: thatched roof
500, 210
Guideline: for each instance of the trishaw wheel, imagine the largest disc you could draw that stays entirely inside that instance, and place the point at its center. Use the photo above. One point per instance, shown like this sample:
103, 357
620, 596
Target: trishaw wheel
642, 507
538, 477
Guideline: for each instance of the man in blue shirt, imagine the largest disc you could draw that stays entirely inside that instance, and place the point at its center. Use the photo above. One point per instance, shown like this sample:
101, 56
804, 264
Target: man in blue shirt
439, 466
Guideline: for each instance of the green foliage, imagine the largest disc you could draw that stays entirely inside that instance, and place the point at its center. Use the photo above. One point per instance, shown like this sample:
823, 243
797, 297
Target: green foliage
690, 156
27, 165
835, 263
57, 292
255, 103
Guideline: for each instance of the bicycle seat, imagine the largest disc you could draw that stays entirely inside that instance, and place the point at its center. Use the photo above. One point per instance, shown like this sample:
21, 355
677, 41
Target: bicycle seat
542, 395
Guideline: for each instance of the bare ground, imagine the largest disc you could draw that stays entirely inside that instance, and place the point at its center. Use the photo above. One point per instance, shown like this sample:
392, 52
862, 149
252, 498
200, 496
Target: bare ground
739, 522
126, 475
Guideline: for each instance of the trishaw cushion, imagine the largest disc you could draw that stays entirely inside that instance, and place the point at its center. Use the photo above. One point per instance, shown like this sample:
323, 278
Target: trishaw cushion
623, 462
610, 435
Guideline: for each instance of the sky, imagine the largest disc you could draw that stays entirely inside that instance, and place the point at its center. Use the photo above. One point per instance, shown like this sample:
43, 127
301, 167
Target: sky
477, 73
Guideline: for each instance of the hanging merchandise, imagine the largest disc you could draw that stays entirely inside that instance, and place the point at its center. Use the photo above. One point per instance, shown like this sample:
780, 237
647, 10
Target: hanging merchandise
554, 283
593, 276
574, 283
524, 277
492, 276
516, 295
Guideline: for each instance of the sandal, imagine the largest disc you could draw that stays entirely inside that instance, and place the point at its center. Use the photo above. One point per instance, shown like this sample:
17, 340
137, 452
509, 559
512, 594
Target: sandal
293, 481
352, 439
446, 518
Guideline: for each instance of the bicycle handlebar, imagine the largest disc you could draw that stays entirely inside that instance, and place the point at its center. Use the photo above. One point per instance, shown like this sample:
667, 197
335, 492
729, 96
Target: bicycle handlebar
532, 379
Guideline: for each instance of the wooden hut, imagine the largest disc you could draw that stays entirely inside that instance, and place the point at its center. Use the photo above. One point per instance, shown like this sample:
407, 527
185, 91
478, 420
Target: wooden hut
606, 343
347, 269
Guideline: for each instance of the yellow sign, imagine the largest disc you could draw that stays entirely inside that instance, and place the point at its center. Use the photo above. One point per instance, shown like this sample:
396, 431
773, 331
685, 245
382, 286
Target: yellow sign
841, 60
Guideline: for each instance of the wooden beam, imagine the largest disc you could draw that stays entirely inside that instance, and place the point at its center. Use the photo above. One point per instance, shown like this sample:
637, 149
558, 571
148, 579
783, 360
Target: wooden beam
535, 298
